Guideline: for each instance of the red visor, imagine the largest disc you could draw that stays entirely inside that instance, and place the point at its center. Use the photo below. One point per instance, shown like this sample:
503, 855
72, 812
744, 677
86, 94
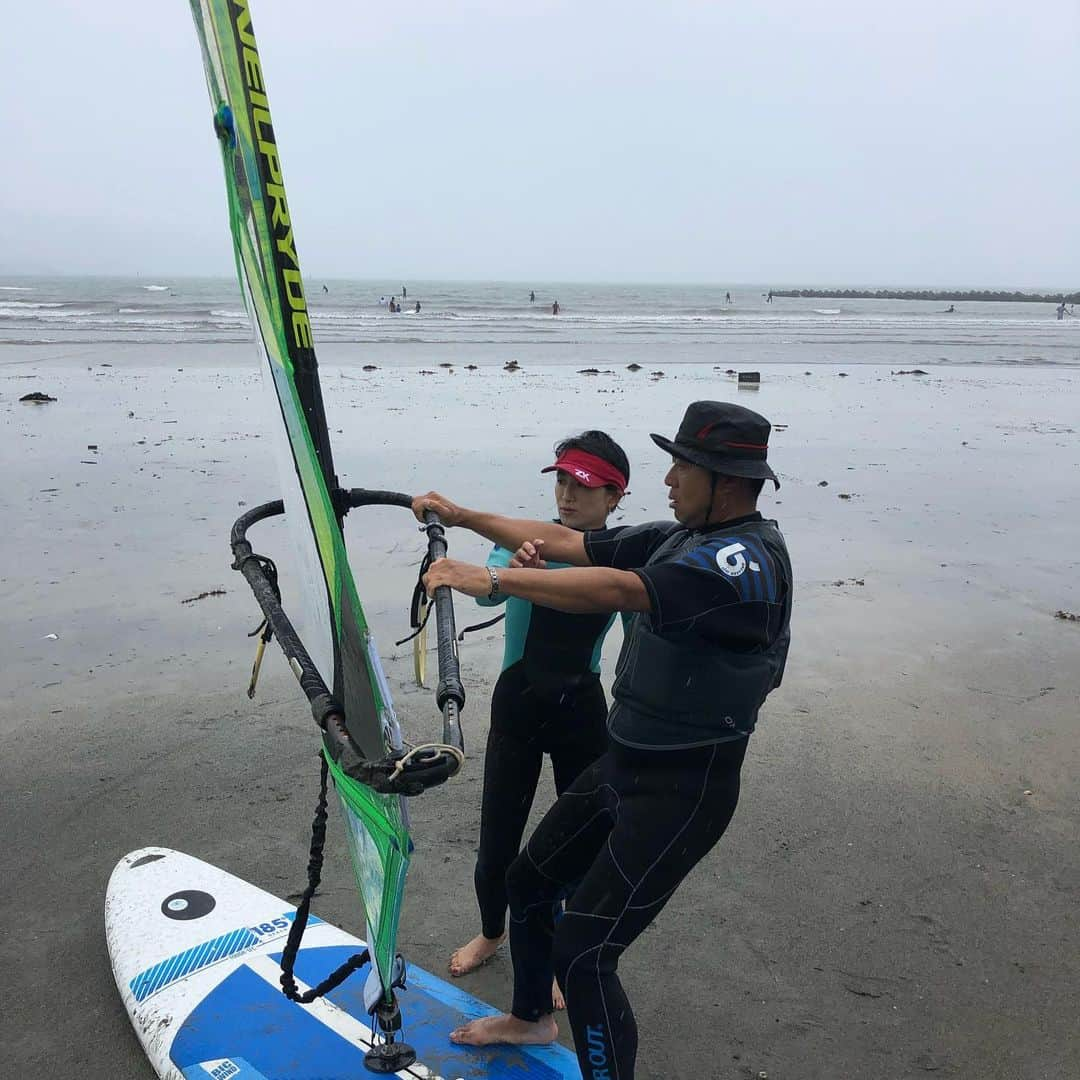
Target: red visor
588, 469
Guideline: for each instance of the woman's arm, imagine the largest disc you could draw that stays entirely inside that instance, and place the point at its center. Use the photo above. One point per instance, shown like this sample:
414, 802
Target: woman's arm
560, 543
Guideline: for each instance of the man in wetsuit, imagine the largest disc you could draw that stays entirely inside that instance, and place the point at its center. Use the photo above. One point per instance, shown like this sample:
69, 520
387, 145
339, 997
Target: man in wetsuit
712, 595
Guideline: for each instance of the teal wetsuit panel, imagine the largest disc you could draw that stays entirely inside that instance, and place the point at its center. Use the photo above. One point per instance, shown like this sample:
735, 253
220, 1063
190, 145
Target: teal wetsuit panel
557, 647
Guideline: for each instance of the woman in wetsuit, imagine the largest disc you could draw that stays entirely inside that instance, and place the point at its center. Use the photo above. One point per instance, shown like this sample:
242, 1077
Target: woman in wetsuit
548, 699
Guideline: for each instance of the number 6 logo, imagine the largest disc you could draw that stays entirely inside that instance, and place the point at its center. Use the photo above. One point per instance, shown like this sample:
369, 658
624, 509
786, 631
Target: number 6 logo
731, 561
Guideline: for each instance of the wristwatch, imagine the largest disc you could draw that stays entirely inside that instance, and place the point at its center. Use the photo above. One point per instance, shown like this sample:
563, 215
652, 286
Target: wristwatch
494, 594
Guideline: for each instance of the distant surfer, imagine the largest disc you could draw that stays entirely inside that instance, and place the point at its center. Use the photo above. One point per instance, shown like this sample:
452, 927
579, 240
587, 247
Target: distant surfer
711, 597
532, 296
548, 699
555, 308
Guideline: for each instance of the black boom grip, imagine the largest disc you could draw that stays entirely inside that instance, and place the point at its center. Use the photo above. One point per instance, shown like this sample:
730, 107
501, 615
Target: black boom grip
449, 694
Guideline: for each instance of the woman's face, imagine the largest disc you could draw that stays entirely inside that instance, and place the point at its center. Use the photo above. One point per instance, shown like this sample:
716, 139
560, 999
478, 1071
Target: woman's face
582, 507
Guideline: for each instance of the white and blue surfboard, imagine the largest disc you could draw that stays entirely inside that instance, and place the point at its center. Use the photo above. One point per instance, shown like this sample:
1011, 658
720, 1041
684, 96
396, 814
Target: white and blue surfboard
195, 952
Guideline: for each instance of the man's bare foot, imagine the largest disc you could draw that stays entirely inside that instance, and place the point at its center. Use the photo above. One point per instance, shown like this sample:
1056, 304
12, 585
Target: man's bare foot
477, 953
504, 1028
558, 1002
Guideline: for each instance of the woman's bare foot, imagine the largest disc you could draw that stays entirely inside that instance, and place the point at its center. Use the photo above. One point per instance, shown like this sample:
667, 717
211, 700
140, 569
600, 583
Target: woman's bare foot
558, 1002
477, 953
504, 1028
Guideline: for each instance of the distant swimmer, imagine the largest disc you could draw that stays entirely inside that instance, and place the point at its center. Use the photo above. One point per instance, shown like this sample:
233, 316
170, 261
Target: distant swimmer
325, 289
727, 298
417, 307
950, 310
532, 297
555, 308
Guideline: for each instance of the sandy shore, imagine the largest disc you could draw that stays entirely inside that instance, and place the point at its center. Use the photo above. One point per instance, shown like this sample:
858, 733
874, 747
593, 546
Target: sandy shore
897, 896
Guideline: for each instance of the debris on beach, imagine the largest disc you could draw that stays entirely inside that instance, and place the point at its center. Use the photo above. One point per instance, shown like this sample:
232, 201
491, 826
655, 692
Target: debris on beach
203, 596
511, 365
633, 367
913, 371
471, 367
849, 581
845, 495
589, 371
446, 363
779, 427
370, 367
51, 637
37, 398
1067, 616
424, 371
85, 462
841, 374
749, 376
823, 483
656, 374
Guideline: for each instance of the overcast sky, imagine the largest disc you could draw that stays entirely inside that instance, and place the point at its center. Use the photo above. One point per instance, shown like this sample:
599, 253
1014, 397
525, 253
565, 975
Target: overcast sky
795, 142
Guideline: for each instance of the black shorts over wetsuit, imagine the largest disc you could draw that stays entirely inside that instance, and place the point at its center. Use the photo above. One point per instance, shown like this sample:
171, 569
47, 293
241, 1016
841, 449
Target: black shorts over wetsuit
690, 679
548, 700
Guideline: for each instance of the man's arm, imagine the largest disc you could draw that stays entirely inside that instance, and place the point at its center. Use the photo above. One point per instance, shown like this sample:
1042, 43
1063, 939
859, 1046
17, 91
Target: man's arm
579, 590
560, 543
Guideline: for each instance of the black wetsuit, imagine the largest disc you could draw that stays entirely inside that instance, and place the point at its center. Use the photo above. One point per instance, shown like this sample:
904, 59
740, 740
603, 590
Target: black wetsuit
548, 700
691, 676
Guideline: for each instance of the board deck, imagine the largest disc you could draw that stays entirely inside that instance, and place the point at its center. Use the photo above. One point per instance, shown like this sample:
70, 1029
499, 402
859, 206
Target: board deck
195, 952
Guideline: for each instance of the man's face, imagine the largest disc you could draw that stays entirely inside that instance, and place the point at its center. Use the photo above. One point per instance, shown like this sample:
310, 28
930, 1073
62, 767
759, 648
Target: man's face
690, 492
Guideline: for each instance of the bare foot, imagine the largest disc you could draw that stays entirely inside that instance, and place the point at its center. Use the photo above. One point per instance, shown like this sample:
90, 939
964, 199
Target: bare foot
558, 1002
506, 1029
478, 952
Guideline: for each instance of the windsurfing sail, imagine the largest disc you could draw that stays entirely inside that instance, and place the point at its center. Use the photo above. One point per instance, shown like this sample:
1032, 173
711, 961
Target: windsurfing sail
336, 661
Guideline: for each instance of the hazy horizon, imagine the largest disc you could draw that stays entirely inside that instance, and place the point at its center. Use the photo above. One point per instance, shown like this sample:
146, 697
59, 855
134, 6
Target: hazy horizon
827, 147
166, 278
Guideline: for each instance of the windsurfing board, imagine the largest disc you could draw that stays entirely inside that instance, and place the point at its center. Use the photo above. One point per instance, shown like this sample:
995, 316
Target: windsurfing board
196, 952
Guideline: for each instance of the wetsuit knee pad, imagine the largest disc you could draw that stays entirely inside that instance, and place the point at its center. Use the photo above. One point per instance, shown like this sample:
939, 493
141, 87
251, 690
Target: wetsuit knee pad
579, 949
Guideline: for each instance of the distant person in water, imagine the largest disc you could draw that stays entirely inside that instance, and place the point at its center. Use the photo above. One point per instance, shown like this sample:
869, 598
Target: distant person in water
532, 296
951, 309
417, 307
555, 308
404, 292
727, 298
325, 289
393, 306
768, 299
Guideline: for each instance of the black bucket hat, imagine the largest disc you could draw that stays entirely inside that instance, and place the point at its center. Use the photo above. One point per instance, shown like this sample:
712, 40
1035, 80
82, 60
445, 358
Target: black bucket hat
723, 438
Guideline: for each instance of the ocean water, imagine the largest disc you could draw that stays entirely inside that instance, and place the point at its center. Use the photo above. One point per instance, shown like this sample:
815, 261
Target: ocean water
597, 324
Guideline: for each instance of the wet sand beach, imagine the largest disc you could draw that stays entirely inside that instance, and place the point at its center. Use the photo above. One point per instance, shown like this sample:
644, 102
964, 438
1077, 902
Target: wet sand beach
897, 896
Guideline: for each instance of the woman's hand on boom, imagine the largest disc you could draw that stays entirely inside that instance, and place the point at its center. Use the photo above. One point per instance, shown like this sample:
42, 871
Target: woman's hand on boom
449, 513
464, 577
529, 556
